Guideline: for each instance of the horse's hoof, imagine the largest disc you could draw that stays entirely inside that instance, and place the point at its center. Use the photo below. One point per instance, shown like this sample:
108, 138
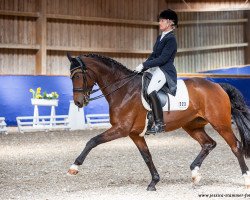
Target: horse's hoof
196, 177
151, 188
73, 170
247, 179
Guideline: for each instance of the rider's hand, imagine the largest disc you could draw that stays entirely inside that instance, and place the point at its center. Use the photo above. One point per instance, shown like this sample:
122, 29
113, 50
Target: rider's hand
139, 68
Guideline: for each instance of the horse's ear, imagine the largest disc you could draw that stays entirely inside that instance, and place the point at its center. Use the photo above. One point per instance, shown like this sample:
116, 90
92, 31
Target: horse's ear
69, 56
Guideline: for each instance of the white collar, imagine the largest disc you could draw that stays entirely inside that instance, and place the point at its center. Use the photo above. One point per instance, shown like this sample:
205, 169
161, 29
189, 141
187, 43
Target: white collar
165, 33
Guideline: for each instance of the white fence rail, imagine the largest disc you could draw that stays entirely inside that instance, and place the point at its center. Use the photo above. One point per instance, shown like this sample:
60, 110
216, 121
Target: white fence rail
3, 128
47, 123
97, 120
43, 123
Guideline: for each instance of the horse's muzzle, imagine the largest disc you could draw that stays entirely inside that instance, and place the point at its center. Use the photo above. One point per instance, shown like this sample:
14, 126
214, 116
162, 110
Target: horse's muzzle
78, 104
82, 102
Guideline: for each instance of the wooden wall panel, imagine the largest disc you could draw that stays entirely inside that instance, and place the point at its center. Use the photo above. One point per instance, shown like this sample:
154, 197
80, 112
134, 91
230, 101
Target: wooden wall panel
94, 35
18, 5
17, 61
22, 30
41, 38
17, 30
205, 5
121, 9
208, 60
69, 33
189, 36
247, 37
58, 63
208, 34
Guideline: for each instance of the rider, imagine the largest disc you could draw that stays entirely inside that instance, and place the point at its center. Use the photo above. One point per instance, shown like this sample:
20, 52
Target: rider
160, 65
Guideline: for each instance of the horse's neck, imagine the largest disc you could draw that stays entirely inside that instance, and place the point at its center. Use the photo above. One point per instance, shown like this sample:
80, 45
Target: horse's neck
108, 76
117, 82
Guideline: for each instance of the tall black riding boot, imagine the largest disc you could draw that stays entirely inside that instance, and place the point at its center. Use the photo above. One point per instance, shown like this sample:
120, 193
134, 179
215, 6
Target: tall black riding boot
157, 111
150, 126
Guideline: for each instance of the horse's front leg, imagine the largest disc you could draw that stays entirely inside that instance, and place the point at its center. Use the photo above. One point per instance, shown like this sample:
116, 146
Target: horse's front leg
143, 148
109, 135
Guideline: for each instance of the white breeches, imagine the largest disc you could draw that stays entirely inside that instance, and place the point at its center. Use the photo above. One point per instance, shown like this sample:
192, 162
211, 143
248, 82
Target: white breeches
157, 81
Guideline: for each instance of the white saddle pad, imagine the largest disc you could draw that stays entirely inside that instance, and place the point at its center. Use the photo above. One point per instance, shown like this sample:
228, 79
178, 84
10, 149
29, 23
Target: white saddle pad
178, 102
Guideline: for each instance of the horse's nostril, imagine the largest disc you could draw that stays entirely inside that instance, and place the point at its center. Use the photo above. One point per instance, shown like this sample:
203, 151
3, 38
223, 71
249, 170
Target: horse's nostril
77, 103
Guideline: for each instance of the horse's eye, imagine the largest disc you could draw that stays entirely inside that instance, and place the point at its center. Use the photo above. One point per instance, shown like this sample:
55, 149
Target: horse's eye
77, 76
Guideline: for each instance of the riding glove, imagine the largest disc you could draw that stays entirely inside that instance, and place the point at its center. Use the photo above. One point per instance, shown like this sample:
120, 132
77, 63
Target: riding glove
139, 68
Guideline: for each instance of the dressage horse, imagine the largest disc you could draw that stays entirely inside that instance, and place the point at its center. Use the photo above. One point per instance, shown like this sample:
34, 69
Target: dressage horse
209, 103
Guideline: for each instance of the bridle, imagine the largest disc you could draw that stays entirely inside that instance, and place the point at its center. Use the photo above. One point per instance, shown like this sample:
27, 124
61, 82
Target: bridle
82, 68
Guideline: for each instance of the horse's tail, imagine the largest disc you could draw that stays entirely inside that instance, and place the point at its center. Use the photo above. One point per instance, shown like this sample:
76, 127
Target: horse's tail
240, 115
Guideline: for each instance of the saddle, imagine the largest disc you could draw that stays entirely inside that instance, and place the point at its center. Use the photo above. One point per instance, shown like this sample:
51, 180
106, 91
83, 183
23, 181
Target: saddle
172, 97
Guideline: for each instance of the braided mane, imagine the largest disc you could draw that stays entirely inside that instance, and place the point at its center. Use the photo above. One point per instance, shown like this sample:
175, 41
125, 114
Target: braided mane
109, 61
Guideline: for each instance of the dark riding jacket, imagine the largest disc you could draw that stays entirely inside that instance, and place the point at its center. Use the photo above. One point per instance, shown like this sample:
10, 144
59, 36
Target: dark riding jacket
163, 55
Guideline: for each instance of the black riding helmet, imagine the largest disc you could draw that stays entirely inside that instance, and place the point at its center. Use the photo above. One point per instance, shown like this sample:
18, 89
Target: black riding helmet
169, 14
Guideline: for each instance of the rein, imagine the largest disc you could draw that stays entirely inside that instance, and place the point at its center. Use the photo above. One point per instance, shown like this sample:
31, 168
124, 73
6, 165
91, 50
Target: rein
102, 95
82, 68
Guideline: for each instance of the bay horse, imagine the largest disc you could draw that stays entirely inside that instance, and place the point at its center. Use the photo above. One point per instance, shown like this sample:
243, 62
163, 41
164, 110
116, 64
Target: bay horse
209, 103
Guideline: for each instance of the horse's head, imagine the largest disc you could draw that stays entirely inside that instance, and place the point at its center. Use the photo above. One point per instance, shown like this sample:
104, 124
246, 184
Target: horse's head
82, 81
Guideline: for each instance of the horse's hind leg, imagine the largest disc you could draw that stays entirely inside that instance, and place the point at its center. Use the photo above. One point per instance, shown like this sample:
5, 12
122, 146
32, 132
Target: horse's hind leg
236, 148
207, 144
143, 148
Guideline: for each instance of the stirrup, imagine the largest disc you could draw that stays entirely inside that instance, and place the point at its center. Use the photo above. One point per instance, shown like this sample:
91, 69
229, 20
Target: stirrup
157, 128
150, 130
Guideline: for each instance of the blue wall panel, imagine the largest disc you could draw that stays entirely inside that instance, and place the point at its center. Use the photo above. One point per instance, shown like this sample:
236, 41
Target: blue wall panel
15, 96
234, 70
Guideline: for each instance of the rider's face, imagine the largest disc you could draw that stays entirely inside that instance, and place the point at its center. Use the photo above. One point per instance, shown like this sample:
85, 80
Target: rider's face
164, 24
